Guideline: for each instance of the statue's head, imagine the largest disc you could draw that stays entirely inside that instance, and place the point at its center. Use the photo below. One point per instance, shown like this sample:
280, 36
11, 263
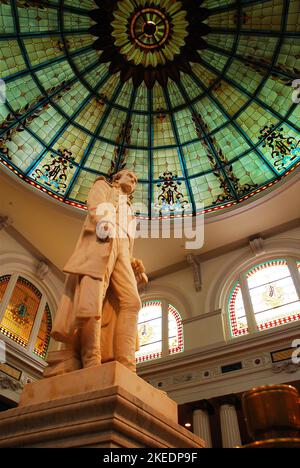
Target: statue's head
127, 180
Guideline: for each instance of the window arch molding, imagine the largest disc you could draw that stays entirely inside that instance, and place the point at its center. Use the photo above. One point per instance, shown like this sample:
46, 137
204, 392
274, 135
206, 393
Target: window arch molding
167, 292
19, 265
167, 296
219, 292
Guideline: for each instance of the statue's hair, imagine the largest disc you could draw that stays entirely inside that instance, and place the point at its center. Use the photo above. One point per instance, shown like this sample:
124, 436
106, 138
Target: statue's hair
118, 175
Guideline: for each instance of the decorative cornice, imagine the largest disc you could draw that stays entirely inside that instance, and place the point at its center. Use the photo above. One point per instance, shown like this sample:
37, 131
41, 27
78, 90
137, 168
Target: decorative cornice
9, 384
288, 367
42, 270
257, 246
5, 222
194, 261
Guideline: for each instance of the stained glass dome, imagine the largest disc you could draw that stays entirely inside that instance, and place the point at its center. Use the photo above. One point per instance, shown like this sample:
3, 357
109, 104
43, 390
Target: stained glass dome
197, 98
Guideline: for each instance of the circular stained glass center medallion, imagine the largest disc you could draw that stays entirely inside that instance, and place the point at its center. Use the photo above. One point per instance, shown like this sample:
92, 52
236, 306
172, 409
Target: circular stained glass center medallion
149, 33
150, 28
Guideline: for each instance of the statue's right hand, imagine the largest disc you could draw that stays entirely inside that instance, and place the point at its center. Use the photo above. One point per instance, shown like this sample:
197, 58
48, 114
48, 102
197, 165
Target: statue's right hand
105, 230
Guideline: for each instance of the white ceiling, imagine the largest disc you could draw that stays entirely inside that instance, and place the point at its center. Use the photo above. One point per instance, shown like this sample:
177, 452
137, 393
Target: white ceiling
53, 228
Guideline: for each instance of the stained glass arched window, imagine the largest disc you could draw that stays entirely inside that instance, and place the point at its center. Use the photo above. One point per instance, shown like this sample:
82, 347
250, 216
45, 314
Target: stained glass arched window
265, 296
25, 316
160, 331
43, 337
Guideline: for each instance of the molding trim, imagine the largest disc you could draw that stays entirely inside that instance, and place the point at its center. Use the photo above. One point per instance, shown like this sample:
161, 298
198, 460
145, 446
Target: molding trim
173, 295
218, 293
196, 318
195, 263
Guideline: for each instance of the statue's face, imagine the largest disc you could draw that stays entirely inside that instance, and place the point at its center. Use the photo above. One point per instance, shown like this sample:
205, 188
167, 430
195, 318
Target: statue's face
128, 182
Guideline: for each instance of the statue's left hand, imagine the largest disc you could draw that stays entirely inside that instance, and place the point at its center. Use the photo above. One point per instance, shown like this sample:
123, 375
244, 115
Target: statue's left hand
137, 266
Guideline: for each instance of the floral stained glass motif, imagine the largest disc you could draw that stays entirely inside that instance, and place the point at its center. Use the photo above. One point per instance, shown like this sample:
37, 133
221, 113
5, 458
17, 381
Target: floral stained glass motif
4, 280
150, 325
203, 90
273, 294
21, 311
150, 331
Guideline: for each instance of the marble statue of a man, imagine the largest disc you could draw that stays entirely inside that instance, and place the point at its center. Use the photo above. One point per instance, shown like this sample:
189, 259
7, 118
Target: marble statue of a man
97, 317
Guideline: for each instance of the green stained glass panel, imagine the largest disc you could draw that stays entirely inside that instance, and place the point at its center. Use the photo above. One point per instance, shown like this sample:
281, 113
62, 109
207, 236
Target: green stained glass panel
100, 156
19, 99
124, 97
246, 76
85, 59
23, 149
265, 15
141, 198
248, 171
231, 142
196, 157
252, 47
55, 74
176, 97
6, 20
158, 97
91, 115
293, 21
185, 126
97, 76
226, 19
225, 41
41, 49
289, 59
141, 100
163, 134
82, 4
109, 87
214, 117
11, 58
74, 21
139, 134
114, 125
38, 19
137, 160
73, 140
277, 94
82, 186
215, 59
68, 101
74, 42
230, 98
166, 160
204, 76
294, 117
253, 119
47, 123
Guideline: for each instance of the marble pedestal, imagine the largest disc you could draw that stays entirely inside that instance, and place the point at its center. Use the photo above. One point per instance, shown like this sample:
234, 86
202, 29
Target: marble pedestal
106, 406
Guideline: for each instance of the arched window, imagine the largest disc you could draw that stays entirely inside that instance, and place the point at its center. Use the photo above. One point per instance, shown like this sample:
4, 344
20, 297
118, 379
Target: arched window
266, 296
160, 331
25, 316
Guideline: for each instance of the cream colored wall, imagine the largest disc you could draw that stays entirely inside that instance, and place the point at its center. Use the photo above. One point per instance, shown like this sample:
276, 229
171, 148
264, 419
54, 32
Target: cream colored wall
203, 323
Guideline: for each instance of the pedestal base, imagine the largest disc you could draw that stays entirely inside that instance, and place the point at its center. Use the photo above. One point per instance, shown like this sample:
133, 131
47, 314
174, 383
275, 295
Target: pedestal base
106, 406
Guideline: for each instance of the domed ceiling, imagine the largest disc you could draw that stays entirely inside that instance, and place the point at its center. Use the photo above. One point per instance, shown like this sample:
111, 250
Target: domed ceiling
196, 97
